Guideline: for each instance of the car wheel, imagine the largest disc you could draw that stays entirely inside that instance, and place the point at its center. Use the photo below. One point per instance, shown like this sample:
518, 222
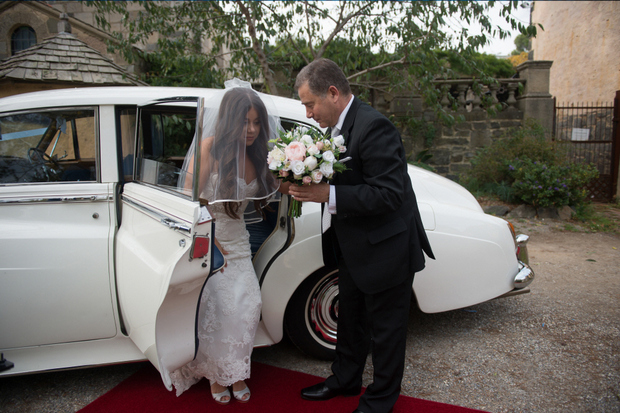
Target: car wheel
311, 319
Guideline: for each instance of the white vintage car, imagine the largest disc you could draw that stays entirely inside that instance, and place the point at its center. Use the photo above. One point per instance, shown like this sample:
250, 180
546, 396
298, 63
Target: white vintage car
103, 258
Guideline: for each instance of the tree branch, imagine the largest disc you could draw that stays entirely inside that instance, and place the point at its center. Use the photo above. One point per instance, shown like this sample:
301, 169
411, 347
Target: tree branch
296, 47
388, 64
340, 25
260, 53
309, 34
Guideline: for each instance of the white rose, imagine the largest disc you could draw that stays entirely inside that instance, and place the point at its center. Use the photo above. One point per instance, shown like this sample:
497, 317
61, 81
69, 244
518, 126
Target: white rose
339, 140
313, 150
316, 176
327, 169
342, 149
329, 157
297, 168
274, 165
277, 154
307, 140
286, 166
310, 162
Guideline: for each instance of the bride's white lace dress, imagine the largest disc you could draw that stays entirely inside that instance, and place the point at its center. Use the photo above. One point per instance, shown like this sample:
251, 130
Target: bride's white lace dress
229, 309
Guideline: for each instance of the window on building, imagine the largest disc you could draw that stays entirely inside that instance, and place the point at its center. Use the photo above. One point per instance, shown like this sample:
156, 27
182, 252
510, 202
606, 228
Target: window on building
22, 38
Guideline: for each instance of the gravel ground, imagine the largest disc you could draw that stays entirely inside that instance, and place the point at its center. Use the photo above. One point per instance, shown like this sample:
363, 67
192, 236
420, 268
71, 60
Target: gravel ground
556, 349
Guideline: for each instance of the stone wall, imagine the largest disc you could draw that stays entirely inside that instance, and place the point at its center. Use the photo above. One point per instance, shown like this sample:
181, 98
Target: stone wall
453, 147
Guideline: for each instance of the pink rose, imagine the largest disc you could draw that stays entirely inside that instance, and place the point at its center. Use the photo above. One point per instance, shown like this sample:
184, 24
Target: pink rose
319, 145
317, 176
307, 180
295, 151
283, 173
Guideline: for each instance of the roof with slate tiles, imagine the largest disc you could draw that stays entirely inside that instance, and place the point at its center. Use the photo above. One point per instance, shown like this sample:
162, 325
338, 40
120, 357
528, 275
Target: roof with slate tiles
64, 58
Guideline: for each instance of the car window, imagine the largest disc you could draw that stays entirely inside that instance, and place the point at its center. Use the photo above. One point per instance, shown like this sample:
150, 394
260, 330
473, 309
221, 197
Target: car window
48, 146
166, 134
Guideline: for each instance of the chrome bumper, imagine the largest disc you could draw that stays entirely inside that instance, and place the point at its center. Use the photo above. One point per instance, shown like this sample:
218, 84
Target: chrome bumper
525, 276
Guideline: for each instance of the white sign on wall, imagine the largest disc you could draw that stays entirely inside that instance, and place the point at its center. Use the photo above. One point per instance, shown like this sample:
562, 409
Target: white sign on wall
580, 134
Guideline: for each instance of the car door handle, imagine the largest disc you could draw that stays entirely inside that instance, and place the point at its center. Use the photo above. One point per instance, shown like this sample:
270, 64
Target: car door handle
175, 225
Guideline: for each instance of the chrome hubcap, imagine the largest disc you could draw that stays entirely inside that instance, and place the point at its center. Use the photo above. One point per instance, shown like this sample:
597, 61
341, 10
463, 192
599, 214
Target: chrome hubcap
323, 309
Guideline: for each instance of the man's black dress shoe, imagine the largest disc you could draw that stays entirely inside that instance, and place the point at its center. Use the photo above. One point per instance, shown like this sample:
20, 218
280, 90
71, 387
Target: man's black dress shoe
320, 392
359, 411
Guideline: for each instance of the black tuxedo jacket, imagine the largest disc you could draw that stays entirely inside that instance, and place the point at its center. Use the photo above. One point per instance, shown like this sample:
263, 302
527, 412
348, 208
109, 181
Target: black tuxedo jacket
377, 225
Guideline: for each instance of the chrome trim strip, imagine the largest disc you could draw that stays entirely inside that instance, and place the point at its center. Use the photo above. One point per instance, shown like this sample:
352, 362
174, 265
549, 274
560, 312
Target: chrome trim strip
514, 292
161, 218
58, 199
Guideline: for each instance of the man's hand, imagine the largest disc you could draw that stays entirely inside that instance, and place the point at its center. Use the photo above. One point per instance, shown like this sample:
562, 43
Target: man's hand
310, 193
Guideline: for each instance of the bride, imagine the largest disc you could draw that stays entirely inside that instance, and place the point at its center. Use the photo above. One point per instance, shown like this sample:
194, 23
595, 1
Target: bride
233, 172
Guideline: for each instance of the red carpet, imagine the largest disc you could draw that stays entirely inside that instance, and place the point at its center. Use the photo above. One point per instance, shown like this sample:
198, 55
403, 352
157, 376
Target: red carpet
274, 390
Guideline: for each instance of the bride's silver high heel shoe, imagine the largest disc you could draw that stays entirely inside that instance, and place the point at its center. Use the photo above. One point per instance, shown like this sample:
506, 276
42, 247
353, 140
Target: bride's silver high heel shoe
219, 396
241, 394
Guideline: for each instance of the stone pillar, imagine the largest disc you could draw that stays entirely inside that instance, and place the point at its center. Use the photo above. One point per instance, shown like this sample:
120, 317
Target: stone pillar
536, 102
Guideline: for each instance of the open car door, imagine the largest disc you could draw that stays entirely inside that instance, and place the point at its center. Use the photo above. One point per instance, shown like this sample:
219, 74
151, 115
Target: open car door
164, 247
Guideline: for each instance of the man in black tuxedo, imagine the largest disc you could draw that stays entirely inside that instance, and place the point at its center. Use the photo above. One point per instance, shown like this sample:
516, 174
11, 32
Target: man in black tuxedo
375, 237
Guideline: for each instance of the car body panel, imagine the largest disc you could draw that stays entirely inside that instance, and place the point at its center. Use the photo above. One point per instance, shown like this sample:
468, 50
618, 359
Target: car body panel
38, 223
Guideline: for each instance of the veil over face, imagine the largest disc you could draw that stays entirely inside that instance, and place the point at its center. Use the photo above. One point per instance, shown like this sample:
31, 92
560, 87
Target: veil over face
232, 167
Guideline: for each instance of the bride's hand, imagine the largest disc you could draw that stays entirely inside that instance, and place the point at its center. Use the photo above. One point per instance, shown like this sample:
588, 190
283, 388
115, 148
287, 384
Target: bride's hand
223, 251
284, 187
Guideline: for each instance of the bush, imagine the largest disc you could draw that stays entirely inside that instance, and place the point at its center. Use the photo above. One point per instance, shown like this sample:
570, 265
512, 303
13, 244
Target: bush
490, 165
524, 166
542, 185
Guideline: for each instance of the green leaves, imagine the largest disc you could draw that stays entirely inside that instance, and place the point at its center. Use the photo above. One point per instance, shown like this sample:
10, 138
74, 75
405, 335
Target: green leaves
526, 167
547, 185
394, 44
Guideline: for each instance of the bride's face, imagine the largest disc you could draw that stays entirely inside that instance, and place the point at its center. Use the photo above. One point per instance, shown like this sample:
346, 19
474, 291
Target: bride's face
252, 127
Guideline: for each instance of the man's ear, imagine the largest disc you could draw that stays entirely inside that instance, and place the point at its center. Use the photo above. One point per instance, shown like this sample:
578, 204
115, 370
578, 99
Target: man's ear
333, 93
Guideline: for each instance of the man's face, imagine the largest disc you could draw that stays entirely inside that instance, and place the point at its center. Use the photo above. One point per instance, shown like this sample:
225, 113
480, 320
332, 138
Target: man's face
323, 110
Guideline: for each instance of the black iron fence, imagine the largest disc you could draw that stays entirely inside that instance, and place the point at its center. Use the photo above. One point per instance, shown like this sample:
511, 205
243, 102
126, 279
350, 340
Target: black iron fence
589, 134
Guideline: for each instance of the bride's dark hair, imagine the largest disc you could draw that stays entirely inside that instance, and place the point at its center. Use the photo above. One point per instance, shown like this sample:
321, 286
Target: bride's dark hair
229, 130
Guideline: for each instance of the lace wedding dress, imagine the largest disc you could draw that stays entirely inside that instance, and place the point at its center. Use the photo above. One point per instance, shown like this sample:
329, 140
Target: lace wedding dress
229, 309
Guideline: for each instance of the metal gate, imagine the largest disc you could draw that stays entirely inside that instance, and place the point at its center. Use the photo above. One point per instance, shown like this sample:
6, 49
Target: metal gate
592, 134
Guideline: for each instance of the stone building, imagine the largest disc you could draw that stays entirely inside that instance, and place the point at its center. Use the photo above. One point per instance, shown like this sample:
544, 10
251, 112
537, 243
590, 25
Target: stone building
582, 38
59, 62
26, 23
42, 48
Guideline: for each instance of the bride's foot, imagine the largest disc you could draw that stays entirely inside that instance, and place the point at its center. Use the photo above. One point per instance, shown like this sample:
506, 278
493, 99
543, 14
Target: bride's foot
220, 394
241, 391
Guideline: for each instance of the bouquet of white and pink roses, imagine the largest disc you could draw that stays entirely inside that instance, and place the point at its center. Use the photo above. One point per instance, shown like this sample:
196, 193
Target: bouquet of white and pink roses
303, 156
